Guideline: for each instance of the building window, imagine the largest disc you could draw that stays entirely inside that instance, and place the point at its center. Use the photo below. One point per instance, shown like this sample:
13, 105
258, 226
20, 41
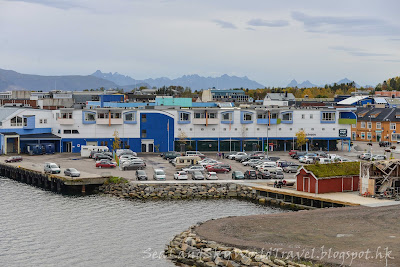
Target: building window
179, 129
199, 115
274, 115
328, 116
40, 121
334, 129
191, 129
290, 129
226, 116
212, 115
280, 129
75, 132
144, 118
184, 116
89, 116
247, 117
378, 125
395, 137
353, 125
362, 135
369, 125
16, 121
369, 136
312, 129
303, 116
130, 116
261, 116
213, 129
67, 131
311, 116
392, 126
363, 124
287, 116
323, 129
102, 115
44, 121
224, 129
202, 129
144, 134
235, 129
67, 115
247, 129
258, 129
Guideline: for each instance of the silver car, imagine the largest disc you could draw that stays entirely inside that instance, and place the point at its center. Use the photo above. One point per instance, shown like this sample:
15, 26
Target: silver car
72, 172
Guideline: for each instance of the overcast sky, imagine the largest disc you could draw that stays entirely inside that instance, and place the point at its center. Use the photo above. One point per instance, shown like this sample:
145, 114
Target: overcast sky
271, 42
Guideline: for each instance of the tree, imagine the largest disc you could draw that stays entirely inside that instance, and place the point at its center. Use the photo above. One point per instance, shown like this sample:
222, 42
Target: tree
117, 141
301, 138
182, 136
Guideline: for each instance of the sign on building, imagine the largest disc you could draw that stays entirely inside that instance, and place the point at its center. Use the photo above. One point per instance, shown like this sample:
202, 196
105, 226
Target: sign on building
342, 132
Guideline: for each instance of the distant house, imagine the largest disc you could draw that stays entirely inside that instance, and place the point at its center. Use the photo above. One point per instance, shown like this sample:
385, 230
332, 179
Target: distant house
279, 99
327, 178
224, 95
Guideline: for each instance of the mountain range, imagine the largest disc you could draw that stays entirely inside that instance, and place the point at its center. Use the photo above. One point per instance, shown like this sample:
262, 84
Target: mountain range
308, 84
194, 81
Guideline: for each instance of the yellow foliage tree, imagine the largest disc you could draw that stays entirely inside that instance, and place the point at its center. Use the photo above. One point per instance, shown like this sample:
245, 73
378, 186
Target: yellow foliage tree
301, 138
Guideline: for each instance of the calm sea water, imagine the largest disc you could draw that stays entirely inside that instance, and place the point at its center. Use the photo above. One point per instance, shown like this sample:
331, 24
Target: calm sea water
40, 228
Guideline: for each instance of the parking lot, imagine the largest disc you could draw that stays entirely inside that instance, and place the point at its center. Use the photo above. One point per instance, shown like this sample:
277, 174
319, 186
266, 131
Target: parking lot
153, 161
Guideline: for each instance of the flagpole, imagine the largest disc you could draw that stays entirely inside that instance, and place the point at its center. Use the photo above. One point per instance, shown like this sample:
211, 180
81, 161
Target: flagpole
168, 133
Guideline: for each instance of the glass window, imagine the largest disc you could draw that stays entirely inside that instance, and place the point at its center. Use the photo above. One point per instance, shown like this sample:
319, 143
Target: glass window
378, 125
118, 115
274, 115
369, 125
130, 116
328, 116
212, 115
369, 136
392, 126
144, 118
353, 126
311, 116
89, 117
247, 117
199, 115
227, 116
261, 116
184, 116
362, 135
67, 131
16, 121
144, 133
363, 124
303, 116
287, 116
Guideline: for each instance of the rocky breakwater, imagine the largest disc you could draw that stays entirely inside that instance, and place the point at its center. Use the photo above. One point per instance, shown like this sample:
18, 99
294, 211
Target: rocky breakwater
179, 191
188, 249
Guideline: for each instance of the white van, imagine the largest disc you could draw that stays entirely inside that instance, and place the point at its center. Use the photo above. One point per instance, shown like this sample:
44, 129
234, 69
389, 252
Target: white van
50, 167
181, 162
194, 153
325, 161
271, 169
86, 150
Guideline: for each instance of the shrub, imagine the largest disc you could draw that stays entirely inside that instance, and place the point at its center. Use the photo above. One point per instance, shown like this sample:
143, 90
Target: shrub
116, 180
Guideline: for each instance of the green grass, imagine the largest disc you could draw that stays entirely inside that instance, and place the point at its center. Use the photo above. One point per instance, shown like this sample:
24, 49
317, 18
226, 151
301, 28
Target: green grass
334, 169
116, 180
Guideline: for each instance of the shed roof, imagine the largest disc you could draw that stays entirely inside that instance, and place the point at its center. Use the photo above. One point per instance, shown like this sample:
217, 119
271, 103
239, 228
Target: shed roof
334, 169
351, 100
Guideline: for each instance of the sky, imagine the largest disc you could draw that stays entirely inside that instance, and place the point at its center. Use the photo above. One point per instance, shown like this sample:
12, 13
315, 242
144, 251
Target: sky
271, 42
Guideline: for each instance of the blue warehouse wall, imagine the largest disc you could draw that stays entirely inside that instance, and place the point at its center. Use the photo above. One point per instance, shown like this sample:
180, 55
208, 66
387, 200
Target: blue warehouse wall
77, 143
22, 131
156, 128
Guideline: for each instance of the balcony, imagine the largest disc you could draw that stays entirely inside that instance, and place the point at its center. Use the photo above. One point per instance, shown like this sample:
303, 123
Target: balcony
65, 121
204, 121
110, 121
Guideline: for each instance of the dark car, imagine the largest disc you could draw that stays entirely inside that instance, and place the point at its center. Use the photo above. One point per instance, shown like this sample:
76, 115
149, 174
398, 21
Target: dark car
13, 159
250, 174
237, 175
217, 169
72, 172
263, 175
226, 166
385, 144
100, 156
299, 154
197, 175
141, 175
133, 165
274, 158
171, 155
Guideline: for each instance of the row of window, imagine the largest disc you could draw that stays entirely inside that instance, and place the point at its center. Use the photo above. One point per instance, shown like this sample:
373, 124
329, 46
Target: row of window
258, 129
378, 125
71, 132
20, 121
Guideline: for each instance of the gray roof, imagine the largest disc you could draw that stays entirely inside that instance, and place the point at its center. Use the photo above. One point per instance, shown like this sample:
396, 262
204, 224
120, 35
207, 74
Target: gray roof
6, 112
281, 96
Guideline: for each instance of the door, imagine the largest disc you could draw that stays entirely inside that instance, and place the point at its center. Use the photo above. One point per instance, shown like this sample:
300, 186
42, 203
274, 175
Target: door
91, 143
150, 148
378, 137
144, 146
347, 184
68, 147
306, 182
353, 135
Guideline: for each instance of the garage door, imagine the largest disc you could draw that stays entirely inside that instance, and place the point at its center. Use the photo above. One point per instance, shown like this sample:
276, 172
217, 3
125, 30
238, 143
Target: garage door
347, 184
91, 143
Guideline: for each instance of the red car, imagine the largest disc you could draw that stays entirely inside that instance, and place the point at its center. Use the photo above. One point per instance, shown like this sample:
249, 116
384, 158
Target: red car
105, 164
13, 159
292, 152
217, 169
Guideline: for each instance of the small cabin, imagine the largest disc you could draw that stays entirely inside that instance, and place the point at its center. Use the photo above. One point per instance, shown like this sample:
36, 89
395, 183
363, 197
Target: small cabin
328, 178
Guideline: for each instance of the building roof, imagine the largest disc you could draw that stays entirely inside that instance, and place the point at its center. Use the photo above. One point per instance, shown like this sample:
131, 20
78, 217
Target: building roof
377, 114
42, 136
280, 96
333, 169
6, 112
380, 100
353, 99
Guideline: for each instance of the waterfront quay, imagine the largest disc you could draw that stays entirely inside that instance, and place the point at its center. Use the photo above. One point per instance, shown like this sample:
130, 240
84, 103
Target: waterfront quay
91, 178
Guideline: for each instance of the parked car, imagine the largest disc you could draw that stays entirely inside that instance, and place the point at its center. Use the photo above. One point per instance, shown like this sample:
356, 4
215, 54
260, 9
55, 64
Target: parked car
276, 174
193, 168
365, 156
141, 175
378, 157
120, 152
159, 175
208, 162
385, 144
13, 159
180, 175
218, 169
250, 174
237, 175
298, 154
291, 168
171, 155
105, 163
263, 175
99, 156
72, 172
133, 165
237, 154
239, 157
325, 160
195, 153
274, 158
197, 175
292, 152
224, 165
212, 176
307, 159
246, 163
50, 167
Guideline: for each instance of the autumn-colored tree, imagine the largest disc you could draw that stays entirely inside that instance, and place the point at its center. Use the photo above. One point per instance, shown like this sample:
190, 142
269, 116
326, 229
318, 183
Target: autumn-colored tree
301, 138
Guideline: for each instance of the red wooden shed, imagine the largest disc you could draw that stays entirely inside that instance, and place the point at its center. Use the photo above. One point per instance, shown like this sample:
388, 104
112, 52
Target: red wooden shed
307, 181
